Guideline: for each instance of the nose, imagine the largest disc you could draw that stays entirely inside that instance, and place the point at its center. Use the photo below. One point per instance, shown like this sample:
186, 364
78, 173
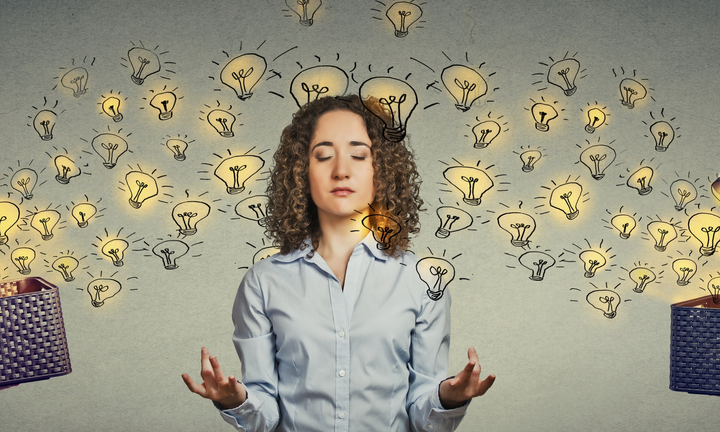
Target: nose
341, 170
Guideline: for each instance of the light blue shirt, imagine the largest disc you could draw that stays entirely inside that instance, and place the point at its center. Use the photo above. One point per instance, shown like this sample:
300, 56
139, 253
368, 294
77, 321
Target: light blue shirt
316, 357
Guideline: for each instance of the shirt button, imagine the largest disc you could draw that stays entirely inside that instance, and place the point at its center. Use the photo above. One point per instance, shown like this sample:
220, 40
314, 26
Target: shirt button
342, 414
431, 427
341, 334
342, 373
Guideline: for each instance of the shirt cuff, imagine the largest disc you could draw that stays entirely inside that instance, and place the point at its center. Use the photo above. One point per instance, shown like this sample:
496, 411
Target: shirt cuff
452, 412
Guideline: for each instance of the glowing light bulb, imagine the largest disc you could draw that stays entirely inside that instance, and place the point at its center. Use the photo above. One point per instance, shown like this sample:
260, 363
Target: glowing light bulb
164, 102
304, 9
685, 269
529, 159
111, 107
65, 265
265, 252
187, 215
222, 121
642, 277
623, 223
101, 290
563, 74
115, 250
714, 288
253, 208
592, 262
520, 226
82, 213
144, 63
76, 80
663, 233
663, 134
396, 101
22, 257
66, 169
704, 227
43, 123
142, 186
606, 301
9, 215
631, 91
596, 118
177, 147
452, 219
598, 158
683, 192
565, 198
465, 84
242, 74
640, 180
109, 147
437, 274
537, 262
318, 81
170, 251
384, 229
236, 170
542, 114
485, 132
402, 15
24, 181
472, 182
44, 222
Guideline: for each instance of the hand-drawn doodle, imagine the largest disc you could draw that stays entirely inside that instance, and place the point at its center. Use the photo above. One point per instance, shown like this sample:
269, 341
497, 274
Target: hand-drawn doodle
519, 225
529, 158
596, 118
663, 233
713, 287
265, 252
187, 215
537, 262
452, 219
566, 197
592, 261
65, 265
222, 121
705, 227
82, 213
111, 107
66, 169
683, 192
236, 170
109, 147
402, 15
164, 102
304, 9
24, 181
253, 208
177, 147
543, 113
715, 187
598, 158
640, 180
642, 277
663, 133
22, 257
624, 223
631, 91
383, 228
606, 301
465, 84
76, 80
685, 268
563, 74
485, 133
318, 81
170, 251
472, 182
396, 98
9, 215
437, 274
144, 63
141, 186
243, 73
115, 250
44, 123
102, 289
44, 222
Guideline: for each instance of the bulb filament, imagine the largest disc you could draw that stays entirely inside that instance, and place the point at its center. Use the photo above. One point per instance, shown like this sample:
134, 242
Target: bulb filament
715, 293
449, 221
240, 78
566, 198
189, 216
563, 73
97, 301
607, 299
521, 234
143, 62
223, 123
539, 265
396, 119
685, 274
257, 209
439, 272
21, 263
466, 88
471, 186
710, 231
23, 184
141, 187
110, 148
236, 174
314, 89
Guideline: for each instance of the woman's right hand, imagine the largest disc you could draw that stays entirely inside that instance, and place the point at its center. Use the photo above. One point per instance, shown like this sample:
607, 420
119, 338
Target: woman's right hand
227, 392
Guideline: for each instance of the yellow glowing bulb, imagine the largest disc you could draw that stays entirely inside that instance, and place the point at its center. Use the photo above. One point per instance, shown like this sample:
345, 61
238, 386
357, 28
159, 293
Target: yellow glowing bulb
565, 198
318, 81
592, 262
465, 85
596, 118
24, 181
82, 213
485, 133
242, 74
111, 107
115, 250
236, 170
384, 229
520, 226
542, 114
642, 277
101, 290
623, 223
142, 186
714, 288
472, 182
705, 227
187, 215
22, 257
44, 123
395, 99
44, 222
598, 158
65, 266
177, 147
402, 15
663, 134
663, 233
165, 103
529, 159
9, 215
109, 147
66, 169
640, 180
683, 192
304, 9
685, 269
222, 121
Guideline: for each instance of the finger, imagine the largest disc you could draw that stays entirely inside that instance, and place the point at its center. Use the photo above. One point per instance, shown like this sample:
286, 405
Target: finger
205, 359
485, 384
193, 386
217, 371
472, 355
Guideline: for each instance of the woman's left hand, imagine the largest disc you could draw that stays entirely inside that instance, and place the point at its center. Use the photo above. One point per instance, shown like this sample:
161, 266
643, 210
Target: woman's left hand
466, 385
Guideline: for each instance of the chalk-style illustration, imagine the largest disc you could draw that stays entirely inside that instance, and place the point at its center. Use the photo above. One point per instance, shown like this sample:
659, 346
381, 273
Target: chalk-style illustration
642, 276
592, 261
520, 226
685, 268
242, 74
631, 91
436, 273
537, 262
44, 123
164, 102
318, 81
683, 192
640, 180
383, 228
597, 159
177, 147
663, 233
236, 170
82, 213
566, 197
109, 147
713, 287
529, 158
76, 80
472, 182
663, 133
24, 181
485, 132
170, 251
115, 250
606, 301
111, 107
222, 121
66, 169
393, 101
144, 63
596, 118
543, 113
102, 289
265, 252
65, 265
624, 223
304, 9
563, 74
452, 219
141, 187
705, 227
402, 15
9, 216
253, 208
187, 214
465, 84
22, 257
715, 187
44, 222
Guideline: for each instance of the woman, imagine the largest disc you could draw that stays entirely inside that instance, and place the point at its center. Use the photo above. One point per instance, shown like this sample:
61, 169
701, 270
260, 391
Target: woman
337, 332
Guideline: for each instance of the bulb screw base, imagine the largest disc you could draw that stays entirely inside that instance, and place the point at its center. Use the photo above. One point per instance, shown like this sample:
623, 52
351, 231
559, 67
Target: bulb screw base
481, 145
570, 92
542, 127
235, 191
442, 233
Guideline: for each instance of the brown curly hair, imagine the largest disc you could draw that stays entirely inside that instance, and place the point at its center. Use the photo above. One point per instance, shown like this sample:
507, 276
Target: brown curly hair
291, 213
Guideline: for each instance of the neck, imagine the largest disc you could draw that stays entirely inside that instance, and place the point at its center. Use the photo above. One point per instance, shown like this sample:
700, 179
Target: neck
339, 236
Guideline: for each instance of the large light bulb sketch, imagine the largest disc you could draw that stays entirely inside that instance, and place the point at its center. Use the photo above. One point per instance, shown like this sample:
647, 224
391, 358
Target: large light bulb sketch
606, 301
565, 198
24, 181
402, 15
101, 290
642, 277
76, 80
683, 192
598, 158
640, 180
384, 228
537, 262
663, 134
187, 215
596, 118
109, 147
529, 159
265, 252
222, 121
177, 147
243, 73
543, 113
465, 85
519, 225
66, 169
304, 9
44, 222
437, 274
705, 227
165, 103
624, 223
714, 287
236, 170
485, 133
563, 74
253, 208
111, 107
592, 262
22, 257
9, 215
144, 63
472, 182
631, 91
685, 269
65, 265
44, 123
82, 213
115, 250
392, 101
318, 81
142, 186
452, 219
663, 233
170, 251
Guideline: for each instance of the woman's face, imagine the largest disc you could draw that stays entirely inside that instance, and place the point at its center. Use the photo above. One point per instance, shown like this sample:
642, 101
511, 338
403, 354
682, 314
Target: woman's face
341, 166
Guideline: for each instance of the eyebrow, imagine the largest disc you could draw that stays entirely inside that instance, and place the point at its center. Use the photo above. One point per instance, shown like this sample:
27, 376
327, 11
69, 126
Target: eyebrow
329, 144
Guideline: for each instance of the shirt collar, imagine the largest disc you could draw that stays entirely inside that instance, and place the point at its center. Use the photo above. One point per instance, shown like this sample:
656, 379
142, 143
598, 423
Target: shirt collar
368, 243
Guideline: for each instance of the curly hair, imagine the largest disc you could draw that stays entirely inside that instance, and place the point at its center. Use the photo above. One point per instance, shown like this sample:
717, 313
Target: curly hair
292, 215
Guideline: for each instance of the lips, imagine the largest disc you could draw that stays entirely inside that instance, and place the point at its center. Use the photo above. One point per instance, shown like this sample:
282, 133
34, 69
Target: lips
341, 191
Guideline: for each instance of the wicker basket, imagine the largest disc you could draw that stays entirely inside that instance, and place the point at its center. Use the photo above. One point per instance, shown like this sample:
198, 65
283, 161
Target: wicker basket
32, 333
695, 346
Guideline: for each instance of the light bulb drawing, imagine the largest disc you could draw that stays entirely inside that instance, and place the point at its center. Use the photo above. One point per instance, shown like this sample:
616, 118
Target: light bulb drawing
520, 226
318, 81
165, 103
177, 147
714, 287
9, 216
142, 186
170, 251
485, 133
187, 215
265, 252
144, 63
65, 265
592, 262
109, 147
236, 170
537, 262
705, 227
222, 121
563, 73
472, 182
437, 274
66, 169
663, 233
101, 290
44, 222
631, 91
543, 113
606, 301
452, 219
683, 192
253, 208
402, 15
384, 228
529, 158
82, 213
76, 80
22, 257
243, 73
642, 277
304, 9
715, 187
663, 134
685, 268
640, 180
24, 181
565, 198
624, 223
597, 159
115, 250
465, 84
392, 101
111, 107
44, 123
596, 118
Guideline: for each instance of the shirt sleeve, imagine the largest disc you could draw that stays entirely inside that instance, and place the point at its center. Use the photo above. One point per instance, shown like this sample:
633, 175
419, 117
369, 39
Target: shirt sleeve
254, 342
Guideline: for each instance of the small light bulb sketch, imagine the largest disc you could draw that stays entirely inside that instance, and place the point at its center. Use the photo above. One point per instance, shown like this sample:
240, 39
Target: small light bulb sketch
253, 208
640, 180
452, 219
177, 147
465, 84
592, 262
597, 159
9, 216
66, 169
631, 91
596, 118
642, 277
44, 123
566, 197
235, 171
164, 102
402, 15
543, 113
318, 81
437, 274
606, 301
141, 186
82, 213
705, 227
170, 251
265, 252
22, 257
519, 225
663, 133
111, 107
65, 265
529, 158
713, 287
243, 73
24, 181
76, 80
222, 121
392, 101
115, 250
485, 132
537, 262
685, 268
304, 9
144, 63
683, 192
44, 222
472, 182
187, 215
563, 74
663, 233
384, 228
109, 147
101, 290
624, 223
